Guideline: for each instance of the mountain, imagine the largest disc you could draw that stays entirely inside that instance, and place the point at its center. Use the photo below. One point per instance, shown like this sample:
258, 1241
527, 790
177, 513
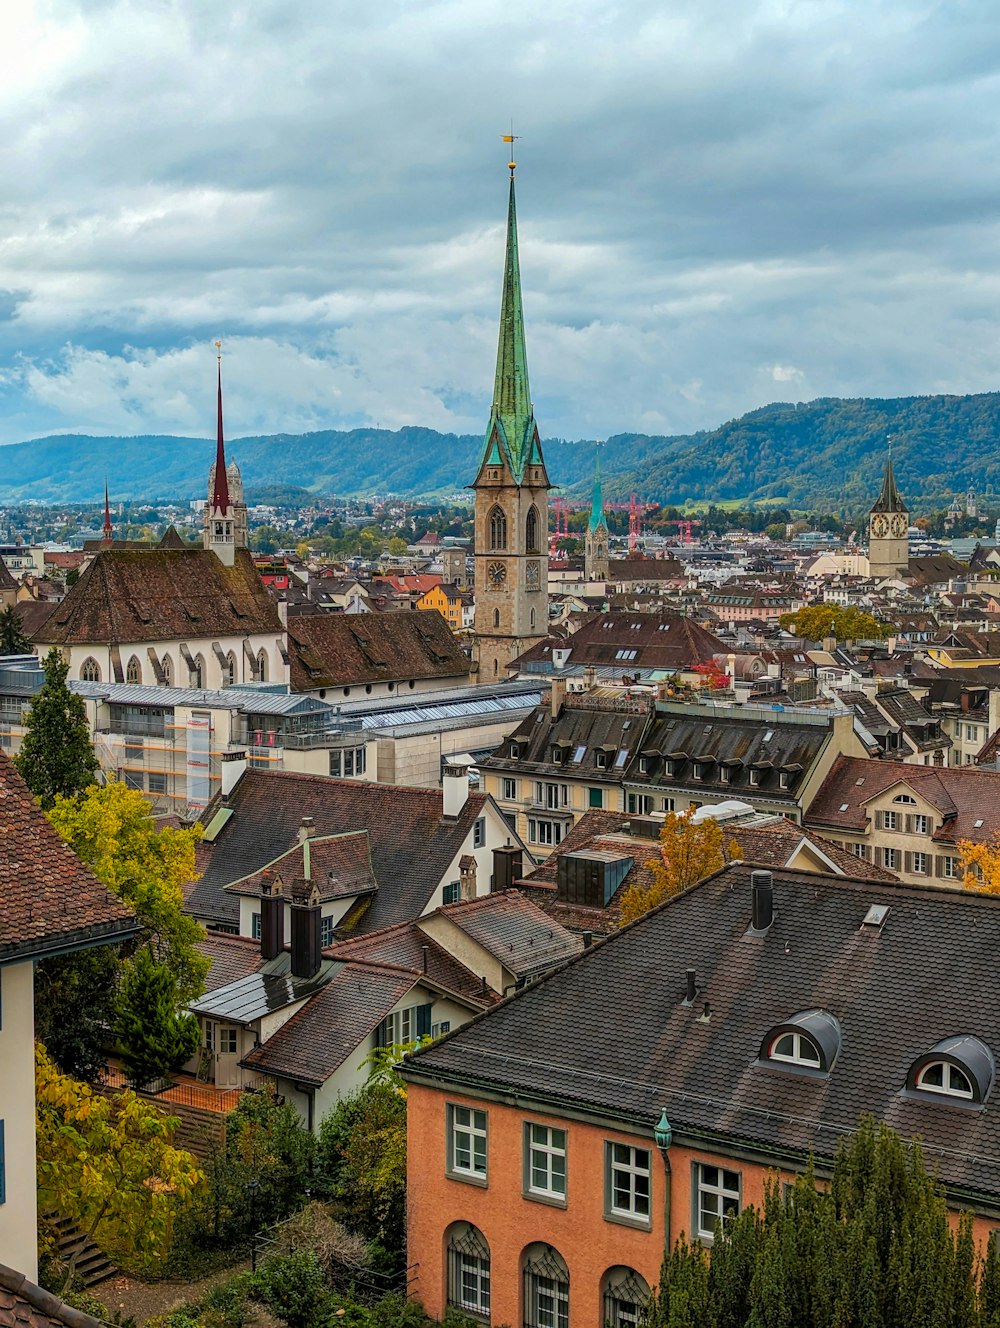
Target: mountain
825, 454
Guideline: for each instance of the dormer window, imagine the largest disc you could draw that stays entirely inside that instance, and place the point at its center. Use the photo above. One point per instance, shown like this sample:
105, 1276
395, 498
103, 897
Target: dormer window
601, 759
754, 777
958, 1069
643, 765
809, 1041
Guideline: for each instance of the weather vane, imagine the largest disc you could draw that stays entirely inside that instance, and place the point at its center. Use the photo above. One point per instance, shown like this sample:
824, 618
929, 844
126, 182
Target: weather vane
218, 347
511, 138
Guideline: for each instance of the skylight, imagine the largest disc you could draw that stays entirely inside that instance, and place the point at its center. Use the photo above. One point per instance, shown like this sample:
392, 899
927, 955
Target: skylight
580, 752
844, 806
621, 758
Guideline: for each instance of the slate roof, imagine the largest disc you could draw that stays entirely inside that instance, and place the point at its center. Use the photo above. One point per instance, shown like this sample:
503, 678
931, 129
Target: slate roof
662, 641
334, 649
318, 1038
609, 1033
340, 865
962, 794
578, 725
161, 594
51, 901
411, 844
25, 1305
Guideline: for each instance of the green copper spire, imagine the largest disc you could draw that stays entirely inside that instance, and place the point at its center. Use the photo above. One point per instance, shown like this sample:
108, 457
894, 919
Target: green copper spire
597, 501
512, 421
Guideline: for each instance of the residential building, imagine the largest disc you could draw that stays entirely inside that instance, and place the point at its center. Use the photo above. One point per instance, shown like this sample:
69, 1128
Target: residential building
53, 905
511, 497
448, 600
747, 1023
907, 818
646, 647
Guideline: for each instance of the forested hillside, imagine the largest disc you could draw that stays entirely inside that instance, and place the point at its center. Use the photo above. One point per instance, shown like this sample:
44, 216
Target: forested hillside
825, 454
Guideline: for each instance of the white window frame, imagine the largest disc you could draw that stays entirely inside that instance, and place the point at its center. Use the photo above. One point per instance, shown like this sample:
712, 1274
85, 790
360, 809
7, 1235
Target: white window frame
890, 820
468, 1143
946, 1088
545, 1162
921, 864
547, 833
890, 858
950, 870
920, 824
228, 1040
721, 1197
627, 1177
509, 793
800, 1041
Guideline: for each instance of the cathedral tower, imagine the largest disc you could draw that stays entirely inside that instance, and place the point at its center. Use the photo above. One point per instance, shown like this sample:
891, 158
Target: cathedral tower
224, 528
595, 557
888, 527
511, 525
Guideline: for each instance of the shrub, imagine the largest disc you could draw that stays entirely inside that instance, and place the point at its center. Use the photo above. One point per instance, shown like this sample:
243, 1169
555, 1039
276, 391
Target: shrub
293, 1287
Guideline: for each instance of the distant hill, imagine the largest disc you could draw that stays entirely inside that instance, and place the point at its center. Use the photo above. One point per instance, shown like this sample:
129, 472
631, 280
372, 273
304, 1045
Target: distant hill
826, 454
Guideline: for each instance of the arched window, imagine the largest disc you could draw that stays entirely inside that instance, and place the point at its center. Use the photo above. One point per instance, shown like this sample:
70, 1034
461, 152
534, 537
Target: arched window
468, 1269
958, 1068
531, 530
262, 666
196, 671
546, 1287
229, 672
942, 1077
600, 550
624, 1295
498, 529
496, 617
167, 669
90, 670
531, 618
133, 672
797, 1048
809, 1040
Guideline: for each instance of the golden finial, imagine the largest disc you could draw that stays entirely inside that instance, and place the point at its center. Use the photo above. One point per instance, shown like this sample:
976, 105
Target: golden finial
511, 138
218, 347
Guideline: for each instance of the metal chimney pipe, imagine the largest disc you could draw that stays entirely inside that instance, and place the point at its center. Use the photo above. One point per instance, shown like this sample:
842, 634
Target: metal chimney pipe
692, 986
762, 900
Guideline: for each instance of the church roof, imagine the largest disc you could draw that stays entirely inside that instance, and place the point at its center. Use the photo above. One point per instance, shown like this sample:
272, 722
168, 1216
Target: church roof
340, 650
512, 430
889, 500
597, 500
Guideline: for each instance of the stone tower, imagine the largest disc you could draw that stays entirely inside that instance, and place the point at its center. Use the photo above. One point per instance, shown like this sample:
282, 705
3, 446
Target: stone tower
595, 556
511, 524
224, 524
888, 525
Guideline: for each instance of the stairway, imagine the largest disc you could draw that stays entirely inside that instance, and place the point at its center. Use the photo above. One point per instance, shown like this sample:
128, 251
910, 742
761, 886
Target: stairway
93, 1265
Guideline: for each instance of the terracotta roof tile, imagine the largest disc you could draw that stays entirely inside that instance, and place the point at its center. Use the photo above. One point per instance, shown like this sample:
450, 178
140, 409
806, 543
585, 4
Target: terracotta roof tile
233, 958
335, 649
25, 1305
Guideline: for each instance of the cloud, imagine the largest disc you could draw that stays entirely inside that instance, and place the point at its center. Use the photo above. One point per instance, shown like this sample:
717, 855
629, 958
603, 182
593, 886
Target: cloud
718, 202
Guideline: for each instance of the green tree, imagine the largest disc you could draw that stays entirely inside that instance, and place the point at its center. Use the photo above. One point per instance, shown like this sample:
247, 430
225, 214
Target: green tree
74, 1008
109, 1164
689, 851
155, 1035
396, 546
12, 638
266, 1147
816, 621
111, 828
56, 758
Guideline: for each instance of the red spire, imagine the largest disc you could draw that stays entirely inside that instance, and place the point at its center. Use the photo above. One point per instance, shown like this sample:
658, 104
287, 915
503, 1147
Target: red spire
220, 493
107, 529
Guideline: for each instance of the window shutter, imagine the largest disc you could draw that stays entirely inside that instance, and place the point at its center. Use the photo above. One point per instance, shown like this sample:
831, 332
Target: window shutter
908, 861
879, 820
938, 865
909, 824
424, 1020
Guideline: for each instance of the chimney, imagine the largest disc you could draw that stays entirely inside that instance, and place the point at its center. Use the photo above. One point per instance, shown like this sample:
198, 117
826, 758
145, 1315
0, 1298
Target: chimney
588, 939
690, 987
557, 696
306, 951
467, 876
455, 783
762, 900
506, 866
272, 916
307, 828
234, 765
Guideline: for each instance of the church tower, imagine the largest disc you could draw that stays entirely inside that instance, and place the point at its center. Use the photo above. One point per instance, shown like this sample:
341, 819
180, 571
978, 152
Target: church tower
595, 556
888, 526
511, 524
224, 528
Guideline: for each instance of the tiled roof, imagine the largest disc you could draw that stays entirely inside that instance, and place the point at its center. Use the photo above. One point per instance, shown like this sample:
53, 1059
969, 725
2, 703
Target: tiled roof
25, 1305
335, 649
645, 569
340, 865
34, 613
577, 726
159, 594
332, 1025
665, 641
404, 946
411, 844
962, 794
609, 1032
514, 930
7, 582
50, 899
233, 958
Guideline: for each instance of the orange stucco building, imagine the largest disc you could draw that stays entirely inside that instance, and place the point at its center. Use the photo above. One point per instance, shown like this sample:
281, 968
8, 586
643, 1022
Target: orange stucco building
748, 1023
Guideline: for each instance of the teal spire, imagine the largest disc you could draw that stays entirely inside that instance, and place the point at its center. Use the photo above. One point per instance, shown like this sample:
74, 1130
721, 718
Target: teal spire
889, 499
597, 501
512, 422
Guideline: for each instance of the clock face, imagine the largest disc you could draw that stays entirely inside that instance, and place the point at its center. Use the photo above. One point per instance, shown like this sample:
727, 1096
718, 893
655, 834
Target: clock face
532, 575
880, 526
497, 575
898, 525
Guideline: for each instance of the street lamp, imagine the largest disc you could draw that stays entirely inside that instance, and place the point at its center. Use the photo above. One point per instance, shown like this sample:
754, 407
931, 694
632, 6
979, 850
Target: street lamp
252, 1187
664, 1136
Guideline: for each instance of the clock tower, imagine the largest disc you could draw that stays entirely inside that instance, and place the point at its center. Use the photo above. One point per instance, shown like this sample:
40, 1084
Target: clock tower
888, 526
511, 524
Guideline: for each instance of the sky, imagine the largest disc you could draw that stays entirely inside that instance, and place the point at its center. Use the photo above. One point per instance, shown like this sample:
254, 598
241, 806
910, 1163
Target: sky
722, 203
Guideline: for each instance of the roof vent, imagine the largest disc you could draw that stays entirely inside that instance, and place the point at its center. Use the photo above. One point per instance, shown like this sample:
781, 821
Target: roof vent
762, 900
876, 915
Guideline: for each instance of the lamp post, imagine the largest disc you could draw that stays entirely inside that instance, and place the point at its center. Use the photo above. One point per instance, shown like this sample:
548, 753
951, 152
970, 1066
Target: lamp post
664, 1137
252, 1187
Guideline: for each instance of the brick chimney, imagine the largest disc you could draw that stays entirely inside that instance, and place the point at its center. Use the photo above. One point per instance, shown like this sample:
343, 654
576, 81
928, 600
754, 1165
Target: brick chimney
272, 916
306, 914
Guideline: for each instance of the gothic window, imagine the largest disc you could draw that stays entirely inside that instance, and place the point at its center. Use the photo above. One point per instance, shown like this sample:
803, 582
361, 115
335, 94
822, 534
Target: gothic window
532, 617
197, 672
496, 617
498, 529
229, 671
262, 666
168, 671
90, 670
531, 530
600, 550
134, 671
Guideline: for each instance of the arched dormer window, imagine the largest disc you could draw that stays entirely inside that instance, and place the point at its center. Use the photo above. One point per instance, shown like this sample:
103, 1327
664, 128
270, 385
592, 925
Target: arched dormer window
956, 1069
133, 672
262, 666
905, 797
531, 530
809, 1040
498, 528
90, 670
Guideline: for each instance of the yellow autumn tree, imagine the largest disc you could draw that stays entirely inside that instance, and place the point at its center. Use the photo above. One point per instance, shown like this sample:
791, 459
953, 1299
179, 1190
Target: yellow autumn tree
980, 864
689, 851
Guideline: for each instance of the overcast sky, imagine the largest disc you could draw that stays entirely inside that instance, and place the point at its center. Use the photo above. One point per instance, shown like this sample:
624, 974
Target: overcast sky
722, 203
